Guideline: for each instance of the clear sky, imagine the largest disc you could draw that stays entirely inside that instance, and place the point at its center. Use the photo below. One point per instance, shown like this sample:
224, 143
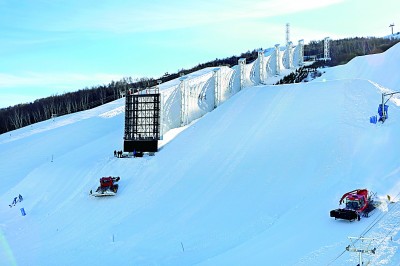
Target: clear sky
54, 46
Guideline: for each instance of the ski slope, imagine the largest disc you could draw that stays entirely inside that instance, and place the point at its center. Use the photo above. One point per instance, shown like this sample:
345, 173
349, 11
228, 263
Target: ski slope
250, 183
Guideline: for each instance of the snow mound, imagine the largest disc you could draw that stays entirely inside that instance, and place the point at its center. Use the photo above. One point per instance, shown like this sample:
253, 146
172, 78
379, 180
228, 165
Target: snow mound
379, 68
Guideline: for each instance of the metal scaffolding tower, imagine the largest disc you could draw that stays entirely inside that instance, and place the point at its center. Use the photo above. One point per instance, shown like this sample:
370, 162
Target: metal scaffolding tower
142, 121
287, 33
326, 49
301, 52
289, 54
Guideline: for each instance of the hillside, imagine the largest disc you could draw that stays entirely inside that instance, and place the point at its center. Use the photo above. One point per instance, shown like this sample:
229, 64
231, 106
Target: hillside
378, 68
25, 114
250, 183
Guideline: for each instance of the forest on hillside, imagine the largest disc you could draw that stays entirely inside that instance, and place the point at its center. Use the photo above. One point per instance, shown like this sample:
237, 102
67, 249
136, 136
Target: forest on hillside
24, 114
340, 52
343, 50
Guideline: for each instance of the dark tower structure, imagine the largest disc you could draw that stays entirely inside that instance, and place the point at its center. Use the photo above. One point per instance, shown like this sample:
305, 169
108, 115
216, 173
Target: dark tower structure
142, 121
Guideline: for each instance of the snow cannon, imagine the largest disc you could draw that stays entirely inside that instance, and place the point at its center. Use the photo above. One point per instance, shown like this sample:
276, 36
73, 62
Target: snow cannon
358, 203
383, 112
108, 187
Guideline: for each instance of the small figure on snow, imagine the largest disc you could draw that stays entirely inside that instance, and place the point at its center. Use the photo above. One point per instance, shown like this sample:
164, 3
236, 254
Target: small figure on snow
20, 198
14, 201
115, 153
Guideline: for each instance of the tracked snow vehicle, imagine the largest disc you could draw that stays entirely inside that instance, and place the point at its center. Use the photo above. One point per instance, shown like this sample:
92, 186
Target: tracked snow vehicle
108, 187
357, 203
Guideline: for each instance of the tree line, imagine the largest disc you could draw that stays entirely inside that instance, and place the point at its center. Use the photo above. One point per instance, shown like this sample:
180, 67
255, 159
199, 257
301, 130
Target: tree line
25, 114
343, 50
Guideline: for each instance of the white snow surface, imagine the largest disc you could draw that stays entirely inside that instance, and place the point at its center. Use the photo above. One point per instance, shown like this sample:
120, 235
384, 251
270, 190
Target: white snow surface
250, 183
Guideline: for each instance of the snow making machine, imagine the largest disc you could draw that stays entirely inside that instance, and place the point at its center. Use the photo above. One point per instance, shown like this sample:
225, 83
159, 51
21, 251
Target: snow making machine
108, 187
358, 202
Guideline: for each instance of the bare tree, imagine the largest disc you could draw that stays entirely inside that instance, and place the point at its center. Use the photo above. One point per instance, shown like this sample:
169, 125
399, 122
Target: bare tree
16, 118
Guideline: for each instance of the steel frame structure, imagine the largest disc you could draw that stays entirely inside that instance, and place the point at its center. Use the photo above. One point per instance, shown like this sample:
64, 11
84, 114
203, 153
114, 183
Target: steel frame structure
327, 49
142, 122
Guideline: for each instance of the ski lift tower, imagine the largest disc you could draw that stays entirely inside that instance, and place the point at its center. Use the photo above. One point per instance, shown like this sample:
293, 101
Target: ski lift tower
326, 49
361, 245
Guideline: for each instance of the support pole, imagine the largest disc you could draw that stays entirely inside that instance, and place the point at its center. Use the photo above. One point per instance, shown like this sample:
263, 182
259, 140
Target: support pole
242, 64
364, 246
391, 26
217, 97
184, 101
383, 108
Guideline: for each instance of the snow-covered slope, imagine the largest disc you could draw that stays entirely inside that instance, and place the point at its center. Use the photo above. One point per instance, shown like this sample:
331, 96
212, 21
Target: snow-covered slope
379, 68
250, 183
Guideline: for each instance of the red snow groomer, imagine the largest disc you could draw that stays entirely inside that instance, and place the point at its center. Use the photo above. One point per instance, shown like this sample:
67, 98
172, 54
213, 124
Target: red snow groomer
108, 187
357, 203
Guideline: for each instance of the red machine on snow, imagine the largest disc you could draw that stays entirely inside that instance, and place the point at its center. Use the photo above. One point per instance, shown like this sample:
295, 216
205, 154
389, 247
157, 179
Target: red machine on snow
108, 187
358, 203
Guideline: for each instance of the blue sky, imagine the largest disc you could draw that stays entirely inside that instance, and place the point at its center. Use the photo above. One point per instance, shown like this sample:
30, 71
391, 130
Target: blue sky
54, 46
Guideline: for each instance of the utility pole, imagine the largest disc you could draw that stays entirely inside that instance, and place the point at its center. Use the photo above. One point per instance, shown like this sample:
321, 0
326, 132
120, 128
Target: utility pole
242, 65
391, 26
365, 247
